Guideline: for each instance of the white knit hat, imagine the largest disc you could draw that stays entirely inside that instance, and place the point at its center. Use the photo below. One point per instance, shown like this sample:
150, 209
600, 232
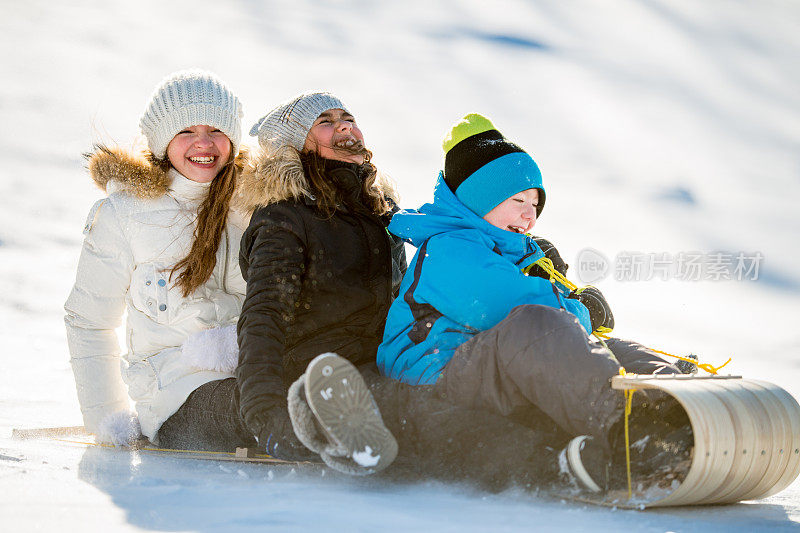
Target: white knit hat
289, 123
190, 98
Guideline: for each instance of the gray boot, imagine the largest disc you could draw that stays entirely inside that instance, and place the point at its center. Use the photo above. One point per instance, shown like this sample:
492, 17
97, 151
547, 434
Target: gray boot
333, 414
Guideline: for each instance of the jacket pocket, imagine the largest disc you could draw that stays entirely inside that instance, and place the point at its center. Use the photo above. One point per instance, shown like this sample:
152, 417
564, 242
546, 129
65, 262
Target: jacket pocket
167, 367
154, 295
141, 380
150, 291
146, 376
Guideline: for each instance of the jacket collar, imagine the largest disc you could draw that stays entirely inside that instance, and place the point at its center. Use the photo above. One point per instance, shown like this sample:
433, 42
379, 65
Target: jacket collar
185, 190
447, 214
114, 170
346, 177
275, 175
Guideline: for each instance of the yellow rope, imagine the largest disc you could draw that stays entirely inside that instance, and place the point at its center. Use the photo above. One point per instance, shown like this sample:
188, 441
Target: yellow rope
711, 369
555, 275
628, 403
602, 332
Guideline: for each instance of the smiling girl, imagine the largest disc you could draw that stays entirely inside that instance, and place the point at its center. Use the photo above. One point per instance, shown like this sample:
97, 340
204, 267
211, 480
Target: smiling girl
321, 272
162, 247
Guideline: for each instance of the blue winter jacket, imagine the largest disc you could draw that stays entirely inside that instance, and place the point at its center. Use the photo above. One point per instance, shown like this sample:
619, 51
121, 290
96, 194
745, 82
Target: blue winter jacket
465, 278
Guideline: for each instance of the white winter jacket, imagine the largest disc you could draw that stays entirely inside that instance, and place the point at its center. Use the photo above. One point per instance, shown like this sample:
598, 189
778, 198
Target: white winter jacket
132, 238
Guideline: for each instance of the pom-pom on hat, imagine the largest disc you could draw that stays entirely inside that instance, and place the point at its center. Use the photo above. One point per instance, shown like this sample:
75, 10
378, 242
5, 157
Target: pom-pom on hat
190, 98
483, 169
289, 123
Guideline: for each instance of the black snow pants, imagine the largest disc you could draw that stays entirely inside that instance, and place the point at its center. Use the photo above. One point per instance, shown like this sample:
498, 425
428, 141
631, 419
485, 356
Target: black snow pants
447, 442
539, 360
438, 440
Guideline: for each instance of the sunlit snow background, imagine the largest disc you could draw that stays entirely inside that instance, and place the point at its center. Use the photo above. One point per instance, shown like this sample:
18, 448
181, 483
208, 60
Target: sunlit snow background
661, 127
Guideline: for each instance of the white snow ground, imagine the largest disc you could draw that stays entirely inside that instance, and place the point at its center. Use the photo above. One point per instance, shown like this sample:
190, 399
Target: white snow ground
660, 127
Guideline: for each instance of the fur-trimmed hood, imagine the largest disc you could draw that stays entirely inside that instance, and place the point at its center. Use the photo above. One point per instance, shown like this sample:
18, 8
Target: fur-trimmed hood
271, 176
136, 174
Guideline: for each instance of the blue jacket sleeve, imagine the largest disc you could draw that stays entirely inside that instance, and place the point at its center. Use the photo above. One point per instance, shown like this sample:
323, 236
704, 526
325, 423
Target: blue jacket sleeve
579, 310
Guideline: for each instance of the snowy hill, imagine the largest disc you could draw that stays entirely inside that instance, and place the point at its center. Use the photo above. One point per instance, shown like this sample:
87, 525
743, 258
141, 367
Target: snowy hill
660, 127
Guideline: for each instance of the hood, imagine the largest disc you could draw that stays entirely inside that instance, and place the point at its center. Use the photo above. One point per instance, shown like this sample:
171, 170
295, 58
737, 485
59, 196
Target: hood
134, 174
273, 175
448, 214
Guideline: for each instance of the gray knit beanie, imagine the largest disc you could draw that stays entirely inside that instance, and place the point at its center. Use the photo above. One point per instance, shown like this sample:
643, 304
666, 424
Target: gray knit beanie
190, 98
289, 123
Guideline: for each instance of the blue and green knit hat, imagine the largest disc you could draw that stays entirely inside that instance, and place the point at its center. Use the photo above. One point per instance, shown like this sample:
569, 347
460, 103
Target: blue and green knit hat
483, 169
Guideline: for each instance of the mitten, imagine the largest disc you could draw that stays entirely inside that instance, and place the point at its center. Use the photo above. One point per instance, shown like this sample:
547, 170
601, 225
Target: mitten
551, 253
120, 428
599, 310
685, 366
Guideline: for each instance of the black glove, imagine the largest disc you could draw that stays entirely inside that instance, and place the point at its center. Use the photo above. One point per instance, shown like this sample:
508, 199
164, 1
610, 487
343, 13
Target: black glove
595, 302
685, 366
277, 438
550, 253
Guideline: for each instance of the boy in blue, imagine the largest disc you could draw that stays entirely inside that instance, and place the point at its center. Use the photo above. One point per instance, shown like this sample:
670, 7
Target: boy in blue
486, 335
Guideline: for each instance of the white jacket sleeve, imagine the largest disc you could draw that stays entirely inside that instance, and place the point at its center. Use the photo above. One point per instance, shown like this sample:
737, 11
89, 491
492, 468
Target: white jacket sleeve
93, 310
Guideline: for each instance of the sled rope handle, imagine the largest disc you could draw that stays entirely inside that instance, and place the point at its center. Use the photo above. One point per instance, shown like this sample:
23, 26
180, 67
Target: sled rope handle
711, 369
628, 403
602, 332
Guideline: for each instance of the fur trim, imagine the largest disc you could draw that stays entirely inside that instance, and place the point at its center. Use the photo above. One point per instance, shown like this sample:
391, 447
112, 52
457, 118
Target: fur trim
303, 419
387, 187
212, 349
273, 175
120, 428
307, 432
136, 175
270, 176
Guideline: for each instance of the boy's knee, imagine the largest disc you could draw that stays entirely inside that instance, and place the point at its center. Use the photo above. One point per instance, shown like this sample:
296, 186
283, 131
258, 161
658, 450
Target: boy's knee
543, 316
546, 328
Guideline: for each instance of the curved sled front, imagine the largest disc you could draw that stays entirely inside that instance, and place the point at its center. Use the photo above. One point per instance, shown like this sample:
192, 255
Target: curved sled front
746, 436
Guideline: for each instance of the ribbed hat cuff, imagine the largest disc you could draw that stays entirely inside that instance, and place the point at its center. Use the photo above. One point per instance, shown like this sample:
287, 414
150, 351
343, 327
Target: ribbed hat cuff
497, 181
289, 123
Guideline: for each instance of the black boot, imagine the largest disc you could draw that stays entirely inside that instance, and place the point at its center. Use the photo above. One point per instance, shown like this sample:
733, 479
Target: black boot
661, 445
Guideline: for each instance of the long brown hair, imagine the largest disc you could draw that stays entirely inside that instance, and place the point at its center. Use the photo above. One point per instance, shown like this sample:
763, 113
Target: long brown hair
329, 196
198, 265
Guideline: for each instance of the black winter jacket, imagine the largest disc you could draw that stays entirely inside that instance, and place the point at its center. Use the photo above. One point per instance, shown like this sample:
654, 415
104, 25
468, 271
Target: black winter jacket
314, 285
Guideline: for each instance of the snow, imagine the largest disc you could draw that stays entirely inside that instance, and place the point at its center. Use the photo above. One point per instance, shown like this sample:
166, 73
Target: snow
660, 127
366, 458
